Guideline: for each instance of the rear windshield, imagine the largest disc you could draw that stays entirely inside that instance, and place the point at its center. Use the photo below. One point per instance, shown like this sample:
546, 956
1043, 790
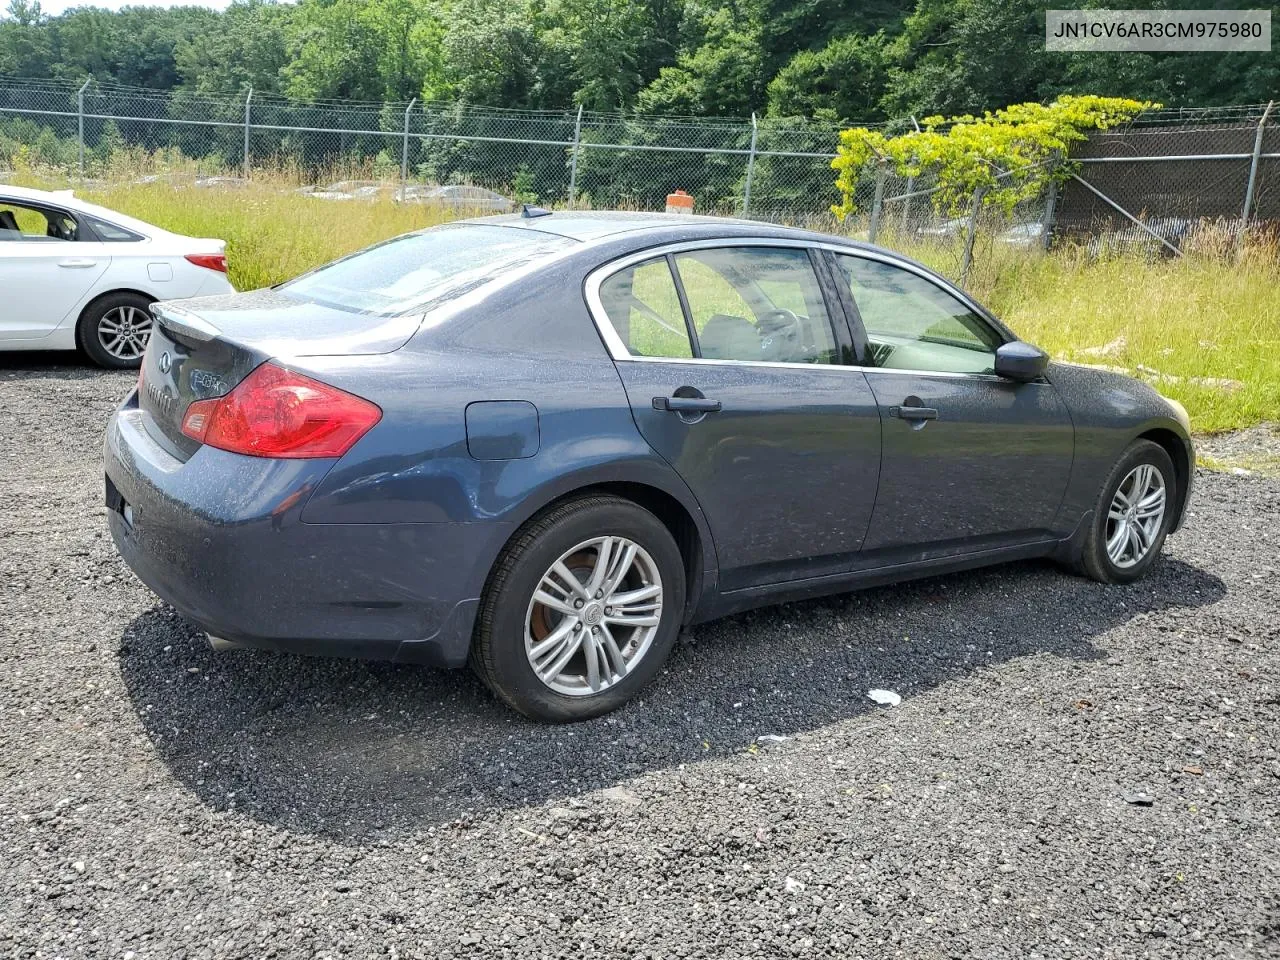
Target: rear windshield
409, 273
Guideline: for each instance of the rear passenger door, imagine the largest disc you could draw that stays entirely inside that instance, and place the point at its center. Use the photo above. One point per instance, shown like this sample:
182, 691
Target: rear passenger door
737, 376
971, 460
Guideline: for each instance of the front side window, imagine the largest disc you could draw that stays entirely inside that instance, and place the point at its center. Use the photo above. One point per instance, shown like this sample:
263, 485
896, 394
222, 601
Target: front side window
913, 324
21, 222
413, 272
756, 303
644, 310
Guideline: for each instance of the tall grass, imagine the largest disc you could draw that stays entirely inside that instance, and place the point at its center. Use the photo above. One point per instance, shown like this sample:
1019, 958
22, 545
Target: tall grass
272, 233
1203, 328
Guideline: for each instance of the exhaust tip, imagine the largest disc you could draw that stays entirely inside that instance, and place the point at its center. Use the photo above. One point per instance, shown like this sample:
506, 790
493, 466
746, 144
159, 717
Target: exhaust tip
220, 643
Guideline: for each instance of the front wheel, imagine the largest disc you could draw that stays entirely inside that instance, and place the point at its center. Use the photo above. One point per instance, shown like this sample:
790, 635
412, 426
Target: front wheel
1132, 516
581, 610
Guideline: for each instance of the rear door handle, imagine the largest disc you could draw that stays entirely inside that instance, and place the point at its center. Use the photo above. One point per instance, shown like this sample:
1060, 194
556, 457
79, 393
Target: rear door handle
914, 413
686, 404
77, 262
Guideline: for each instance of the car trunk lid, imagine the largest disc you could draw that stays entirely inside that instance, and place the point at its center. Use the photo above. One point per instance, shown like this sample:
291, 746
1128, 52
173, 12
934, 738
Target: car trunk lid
203, 348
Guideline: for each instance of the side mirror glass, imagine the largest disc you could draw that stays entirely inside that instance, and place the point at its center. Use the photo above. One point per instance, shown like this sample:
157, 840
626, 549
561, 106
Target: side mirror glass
1020, 361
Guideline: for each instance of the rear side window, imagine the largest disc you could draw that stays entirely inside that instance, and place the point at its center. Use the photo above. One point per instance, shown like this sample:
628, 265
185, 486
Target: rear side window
412, 272
110, 233
644, 309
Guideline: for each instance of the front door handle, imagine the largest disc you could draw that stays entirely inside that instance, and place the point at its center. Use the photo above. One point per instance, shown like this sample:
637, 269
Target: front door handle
914, 413
686, 404
77, 262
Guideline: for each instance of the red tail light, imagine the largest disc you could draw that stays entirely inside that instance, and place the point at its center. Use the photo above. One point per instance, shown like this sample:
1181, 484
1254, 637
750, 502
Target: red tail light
210, 261
275, 412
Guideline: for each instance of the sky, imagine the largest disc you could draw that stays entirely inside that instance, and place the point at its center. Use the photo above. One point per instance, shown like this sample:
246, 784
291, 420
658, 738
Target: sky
55, 7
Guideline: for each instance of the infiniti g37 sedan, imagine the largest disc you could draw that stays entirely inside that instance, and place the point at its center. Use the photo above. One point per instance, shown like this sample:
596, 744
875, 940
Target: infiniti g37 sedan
542, 443
75, 275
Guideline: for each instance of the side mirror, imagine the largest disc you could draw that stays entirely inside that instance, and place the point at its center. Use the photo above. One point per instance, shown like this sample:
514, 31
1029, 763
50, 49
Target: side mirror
1020, 361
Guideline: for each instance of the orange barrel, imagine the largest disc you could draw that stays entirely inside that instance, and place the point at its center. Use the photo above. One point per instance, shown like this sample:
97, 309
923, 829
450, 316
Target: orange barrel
679, 202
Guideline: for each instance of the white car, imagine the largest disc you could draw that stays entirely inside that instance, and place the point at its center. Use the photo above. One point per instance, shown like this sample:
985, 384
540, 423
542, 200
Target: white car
73, 274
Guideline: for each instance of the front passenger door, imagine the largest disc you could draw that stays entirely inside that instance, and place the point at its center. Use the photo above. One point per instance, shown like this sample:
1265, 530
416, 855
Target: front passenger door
970, 460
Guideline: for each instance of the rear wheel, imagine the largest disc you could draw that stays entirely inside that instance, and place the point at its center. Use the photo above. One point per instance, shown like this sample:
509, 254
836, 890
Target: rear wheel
1132, 516
113, 330
581, 610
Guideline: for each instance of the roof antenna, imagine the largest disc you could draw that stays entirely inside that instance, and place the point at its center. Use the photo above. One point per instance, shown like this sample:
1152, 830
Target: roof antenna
531, 213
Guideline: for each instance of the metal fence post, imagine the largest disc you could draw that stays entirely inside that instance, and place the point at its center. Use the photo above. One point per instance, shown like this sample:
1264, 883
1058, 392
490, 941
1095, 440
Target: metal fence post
247, 101
971, 231
404, 148
1050, 203
573, 159
877, 204
911, 187
906, 205
1253, 175
751, 168
80, 118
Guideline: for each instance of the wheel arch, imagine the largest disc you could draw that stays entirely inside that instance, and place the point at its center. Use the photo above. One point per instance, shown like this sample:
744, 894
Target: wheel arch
97, 297
1180, 452
681, 516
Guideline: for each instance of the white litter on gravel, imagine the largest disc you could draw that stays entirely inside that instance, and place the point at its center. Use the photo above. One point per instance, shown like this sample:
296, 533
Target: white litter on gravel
885, 698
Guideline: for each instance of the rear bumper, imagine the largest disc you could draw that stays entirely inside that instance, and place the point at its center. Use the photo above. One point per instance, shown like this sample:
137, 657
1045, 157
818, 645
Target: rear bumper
221, 539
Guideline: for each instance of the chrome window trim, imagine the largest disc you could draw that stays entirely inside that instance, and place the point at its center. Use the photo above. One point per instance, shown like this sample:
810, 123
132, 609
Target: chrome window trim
618, 350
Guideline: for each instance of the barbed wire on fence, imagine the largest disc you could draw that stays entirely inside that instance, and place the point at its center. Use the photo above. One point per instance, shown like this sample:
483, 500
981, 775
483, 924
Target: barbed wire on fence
1146, 184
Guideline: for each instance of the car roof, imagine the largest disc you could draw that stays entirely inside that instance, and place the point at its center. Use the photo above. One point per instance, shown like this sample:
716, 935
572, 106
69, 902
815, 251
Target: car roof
597, 225
67, 199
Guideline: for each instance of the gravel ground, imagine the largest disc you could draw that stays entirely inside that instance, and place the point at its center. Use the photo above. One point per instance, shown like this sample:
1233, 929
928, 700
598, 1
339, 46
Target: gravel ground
1255, 449
158, 800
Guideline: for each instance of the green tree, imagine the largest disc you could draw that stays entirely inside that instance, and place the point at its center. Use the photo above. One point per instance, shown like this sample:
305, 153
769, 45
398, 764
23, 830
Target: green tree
723, 76
962, 56
604, 46
249, 49
25, 50
845, 80
361, 49
491, 55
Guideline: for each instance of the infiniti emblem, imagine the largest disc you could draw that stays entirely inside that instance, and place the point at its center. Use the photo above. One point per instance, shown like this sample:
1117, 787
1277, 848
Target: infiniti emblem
165, 362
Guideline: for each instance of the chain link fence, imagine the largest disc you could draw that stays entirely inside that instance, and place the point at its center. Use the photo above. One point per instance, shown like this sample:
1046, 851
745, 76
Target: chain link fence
1175, 181
1163, 184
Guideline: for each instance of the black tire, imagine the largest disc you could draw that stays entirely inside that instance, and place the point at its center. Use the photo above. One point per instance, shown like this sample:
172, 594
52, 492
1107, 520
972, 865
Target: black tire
498, 652
87, 329
1094, 562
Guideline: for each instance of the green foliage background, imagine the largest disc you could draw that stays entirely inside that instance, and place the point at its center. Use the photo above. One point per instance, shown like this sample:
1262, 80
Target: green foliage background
840, 60
1005, 156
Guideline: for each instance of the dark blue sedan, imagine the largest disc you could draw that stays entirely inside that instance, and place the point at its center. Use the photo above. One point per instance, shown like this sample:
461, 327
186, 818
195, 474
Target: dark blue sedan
542, 443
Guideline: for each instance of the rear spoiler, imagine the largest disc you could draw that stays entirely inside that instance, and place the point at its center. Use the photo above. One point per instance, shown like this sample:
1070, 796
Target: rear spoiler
180, 321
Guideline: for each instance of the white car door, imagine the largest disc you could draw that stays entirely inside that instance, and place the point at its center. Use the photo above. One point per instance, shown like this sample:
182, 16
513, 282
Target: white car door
45, 270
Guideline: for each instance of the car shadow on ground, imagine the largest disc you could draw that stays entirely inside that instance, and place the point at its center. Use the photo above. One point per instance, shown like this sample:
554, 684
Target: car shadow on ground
350, 749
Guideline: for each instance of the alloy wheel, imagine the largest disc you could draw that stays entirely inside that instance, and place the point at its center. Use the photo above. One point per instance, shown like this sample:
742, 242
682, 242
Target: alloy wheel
1135, 515
593, 616
124, 331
